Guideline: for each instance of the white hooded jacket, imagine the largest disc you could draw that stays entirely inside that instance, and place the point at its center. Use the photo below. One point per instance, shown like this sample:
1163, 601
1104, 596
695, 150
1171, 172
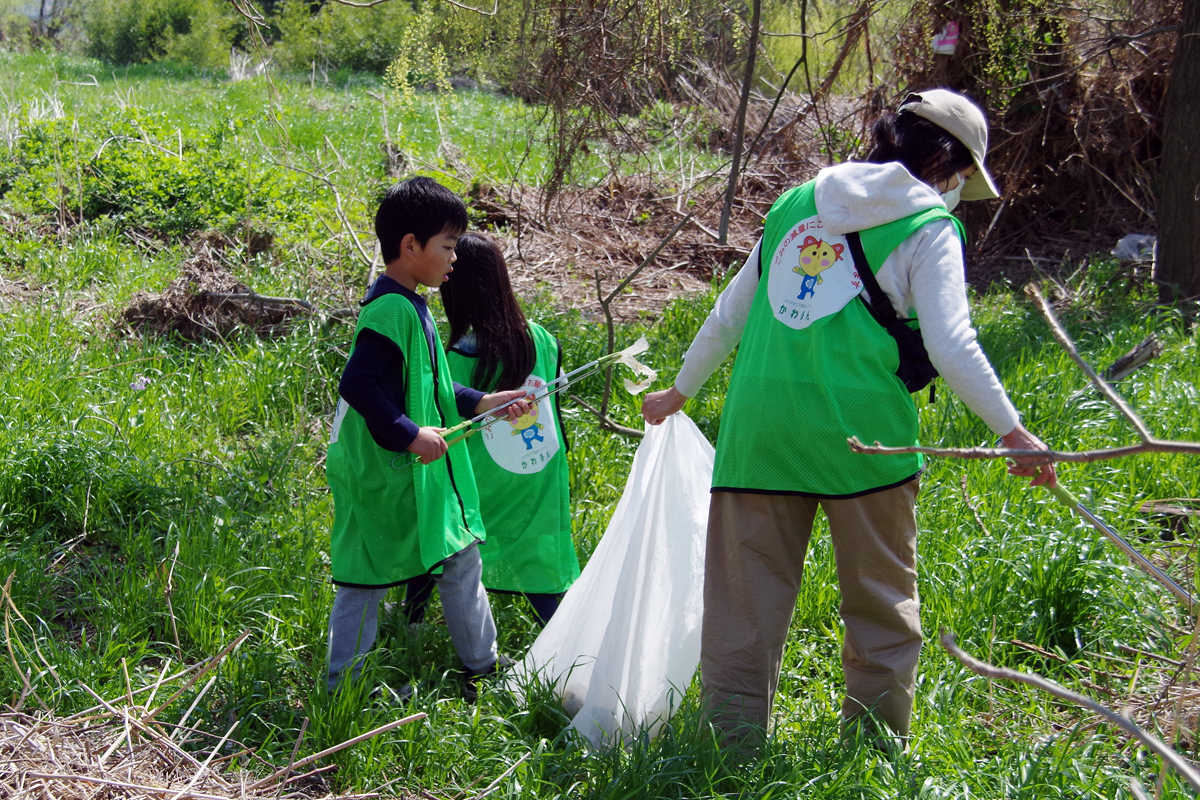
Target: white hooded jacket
923, 277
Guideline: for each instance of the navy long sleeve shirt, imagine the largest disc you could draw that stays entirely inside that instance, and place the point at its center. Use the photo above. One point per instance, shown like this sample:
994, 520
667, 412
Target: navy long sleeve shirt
373, 382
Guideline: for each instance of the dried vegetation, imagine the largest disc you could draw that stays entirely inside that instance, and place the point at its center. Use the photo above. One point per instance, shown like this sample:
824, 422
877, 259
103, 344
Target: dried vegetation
206, 301
124, 748
1076, 96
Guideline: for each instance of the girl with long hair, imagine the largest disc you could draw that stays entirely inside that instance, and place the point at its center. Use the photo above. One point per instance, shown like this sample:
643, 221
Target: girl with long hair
520, 466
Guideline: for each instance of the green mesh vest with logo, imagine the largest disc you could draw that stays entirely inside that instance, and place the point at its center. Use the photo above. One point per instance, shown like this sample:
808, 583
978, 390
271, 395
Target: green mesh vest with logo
814, 368
392, 521
521, 470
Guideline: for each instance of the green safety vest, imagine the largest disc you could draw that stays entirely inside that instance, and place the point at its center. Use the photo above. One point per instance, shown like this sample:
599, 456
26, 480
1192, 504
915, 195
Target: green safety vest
521, 469
814, 368
393, 521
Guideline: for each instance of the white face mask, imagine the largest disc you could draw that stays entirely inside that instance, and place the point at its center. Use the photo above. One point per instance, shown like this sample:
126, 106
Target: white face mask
951, 197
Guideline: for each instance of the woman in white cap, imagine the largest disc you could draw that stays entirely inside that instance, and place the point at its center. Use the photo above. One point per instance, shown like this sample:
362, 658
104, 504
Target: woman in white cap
817, 365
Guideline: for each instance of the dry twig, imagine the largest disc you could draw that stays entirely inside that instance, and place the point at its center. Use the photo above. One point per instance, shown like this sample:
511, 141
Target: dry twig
1149, 443
46, 757
1164, 751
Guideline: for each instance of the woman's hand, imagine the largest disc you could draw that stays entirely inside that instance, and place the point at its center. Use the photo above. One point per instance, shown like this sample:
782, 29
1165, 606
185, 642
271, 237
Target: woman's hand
513, 412
429, 445
1040, 469
659, 405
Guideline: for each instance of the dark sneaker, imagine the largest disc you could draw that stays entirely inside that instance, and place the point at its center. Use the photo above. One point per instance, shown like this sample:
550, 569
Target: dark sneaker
384, 695
470, 688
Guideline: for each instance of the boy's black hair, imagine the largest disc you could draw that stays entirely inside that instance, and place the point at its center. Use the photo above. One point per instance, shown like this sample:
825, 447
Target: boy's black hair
927, 150
479, 297
420, 206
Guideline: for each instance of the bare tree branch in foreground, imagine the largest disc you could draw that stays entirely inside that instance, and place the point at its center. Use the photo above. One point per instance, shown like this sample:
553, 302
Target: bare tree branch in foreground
1149, 443
1164, 751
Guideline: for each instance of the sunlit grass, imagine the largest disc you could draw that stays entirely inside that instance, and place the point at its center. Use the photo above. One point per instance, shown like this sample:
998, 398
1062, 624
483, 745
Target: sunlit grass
220, 455
133, 470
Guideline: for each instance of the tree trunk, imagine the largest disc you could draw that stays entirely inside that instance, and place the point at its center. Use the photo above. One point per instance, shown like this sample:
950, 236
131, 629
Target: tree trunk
739, 125
1178, 260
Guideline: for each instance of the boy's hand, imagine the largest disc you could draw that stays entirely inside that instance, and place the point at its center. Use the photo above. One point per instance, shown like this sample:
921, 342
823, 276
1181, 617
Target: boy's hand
659, 405
1041, 470
513, 412
429, 445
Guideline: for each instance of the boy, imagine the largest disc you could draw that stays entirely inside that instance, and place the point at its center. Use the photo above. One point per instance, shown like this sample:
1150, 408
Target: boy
393, 521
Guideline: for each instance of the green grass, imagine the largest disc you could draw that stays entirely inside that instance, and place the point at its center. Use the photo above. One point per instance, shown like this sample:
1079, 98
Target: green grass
133, 467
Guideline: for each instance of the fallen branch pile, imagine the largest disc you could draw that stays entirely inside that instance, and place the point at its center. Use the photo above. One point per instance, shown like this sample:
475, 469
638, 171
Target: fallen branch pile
608, 231
206, 301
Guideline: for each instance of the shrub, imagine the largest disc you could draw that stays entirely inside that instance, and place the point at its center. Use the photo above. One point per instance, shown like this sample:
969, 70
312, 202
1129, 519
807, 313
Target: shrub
197, 32
340, 37
135, 167
14, 26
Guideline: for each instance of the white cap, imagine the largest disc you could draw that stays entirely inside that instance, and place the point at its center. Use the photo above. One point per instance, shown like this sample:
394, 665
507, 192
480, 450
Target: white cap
958, 116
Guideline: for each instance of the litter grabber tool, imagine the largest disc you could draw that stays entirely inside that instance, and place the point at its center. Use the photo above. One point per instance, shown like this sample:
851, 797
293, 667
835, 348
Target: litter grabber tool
1067, 499
481, 422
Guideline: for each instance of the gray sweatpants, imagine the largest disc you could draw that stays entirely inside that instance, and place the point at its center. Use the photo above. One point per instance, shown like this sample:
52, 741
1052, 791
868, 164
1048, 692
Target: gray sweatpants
354, 620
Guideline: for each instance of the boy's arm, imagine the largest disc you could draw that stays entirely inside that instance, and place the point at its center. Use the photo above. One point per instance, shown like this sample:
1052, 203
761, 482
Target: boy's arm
373, 385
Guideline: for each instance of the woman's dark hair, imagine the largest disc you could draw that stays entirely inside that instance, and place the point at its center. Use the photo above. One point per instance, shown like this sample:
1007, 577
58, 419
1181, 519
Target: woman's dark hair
479, 296
926, 150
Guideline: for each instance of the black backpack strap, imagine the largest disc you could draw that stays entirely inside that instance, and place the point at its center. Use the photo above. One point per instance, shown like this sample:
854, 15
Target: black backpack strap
915, 368
880, 306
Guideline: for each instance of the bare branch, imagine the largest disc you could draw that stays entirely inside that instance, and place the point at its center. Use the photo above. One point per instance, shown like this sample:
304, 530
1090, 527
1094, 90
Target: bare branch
209, 665
1164, 751
463, 6
971, 505
249, 12
607, 423
261, 298
739, 125
985, 453
1063, 339
161, 790
324, 178
645, 263
331, 750
1142, 354
492, 786
1149, 443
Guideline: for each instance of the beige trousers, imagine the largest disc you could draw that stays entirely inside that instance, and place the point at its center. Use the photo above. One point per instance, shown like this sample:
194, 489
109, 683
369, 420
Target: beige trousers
754, 563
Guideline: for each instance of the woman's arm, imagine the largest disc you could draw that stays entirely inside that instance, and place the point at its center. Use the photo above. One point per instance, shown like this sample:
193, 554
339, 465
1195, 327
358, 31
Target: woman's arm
937, 283
721, 332
932, 261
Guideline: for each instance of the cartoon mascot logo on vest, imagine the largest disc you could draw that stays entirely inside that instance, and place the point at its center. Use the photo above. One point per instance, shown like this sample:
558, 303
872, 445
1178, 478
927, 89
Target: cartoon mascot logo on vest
527, 445
815, 257
805, 257
527, 427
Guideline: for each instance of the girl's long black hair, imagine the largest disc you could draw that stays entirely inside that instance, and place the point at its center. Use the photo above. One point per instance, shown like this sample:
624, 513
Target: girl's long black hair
479, 297
926, 150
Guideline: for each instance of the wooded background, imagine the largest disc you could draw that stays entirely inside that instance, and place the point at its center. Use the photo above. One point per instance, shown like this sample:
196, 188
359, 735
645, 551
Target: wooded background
1090, 139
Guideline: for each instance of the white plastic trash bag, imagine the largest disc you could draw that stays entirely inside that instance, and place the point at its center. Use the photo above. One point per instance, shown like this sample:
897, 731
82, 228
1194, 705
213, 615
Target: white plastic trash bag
624, 645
